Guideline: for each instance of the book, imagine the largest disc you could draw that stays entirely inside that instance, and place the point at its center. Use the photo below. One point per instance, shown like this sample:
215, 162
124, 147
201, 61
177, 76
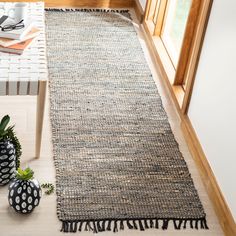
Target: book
16, 33
4, 42
17, 48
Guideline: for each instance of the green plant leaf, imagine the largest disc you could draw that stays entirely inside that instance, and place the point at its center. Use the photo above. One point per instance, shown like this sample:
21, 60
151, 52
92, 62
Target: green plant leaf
3, 133
49, 188
4, 122
26, 174
20, 171
10, 134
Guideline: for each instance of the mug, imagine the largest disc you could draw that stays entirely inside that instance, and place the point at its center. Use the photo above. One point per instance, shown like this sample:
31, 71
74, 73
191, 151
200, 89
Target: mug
19, 10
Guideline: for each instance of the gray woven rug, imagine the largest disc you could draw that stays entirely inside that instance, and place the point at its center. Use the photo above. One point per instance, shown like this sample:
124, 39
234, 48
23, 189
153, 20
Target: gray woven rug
117, 161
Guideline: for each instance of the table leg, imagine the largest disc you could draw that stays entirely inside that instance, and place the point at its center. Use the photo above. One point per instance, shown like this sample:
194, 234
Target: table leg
40, 115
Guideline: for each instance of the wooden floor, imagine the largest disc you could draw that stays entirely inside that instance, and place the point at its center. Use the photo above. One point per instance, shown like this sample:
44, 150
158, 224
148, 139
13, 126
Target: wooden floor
43, 221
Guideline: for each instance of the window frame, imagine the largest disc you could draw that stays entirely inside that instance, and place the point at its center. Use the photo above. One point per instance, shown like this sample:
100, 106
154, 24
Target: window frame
181, 78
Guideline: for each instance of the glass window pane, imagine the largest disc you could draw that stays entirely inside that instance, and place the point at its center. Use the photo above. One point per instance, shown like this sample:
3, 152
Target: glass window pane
174, 28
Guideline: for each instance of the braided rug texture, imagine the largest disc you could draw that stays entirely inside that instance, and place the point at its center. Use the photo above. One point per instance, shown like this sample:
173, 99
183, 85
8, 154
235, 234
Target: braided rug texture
116, 158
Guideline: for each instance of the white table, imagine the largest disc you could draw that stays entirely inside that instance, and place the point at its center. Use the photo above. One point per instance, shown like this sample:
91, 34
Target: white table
27, 74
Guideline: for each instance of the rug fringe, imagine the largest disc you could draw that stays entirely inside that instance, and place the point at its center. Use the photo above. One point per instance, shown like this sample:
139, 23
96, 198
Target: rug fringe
115, 225
87, 10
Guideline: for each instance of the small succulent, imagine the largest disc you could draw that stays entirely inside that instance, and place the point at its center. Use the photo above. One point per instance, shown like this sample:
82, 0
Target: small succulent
24, 191
26, 174
7, 133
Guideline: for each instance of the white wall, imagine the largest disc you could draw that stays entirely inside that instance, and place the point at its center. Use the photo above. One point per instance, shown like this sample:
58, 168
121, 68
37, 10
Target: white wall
143, 3
213, 105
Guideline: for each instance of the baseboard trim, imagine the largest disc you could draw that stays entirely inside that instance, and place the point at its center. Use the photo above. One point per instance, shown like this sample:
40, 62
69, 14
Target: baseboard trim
221, 208
138, 10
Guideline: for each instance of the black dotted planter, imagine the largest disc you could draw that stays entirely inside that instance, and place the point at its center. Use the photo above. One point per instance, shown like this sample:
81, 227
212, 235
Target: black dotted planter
24, 196
7, 162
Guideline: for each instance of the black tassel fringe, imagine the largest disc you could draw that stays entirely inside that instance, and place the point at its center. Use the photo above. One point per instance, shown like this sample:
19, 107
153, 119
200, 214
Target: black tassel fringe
124, 12
87, 10
115, 225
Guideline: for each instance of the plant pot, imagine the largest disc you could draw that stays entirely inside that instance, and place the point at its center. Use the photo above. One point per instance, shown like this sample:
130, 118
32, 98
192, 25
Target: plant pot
24, 195
7, 161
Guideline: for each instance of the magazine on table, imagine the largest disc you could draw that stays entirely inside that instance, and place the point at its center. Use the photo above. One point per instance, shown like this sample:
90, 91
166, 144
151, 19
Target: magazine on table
17, 33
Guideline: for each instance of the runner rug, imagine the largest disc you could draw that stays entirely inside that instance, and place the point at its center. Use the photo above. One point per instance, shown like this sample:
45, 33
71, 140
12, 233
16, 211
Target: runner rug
117, 162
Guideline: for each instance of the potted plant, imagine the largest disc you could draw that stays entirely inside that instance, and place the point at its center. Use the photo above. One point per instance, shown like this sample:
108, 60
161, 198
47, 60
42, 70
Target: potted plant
24, 191
10, 151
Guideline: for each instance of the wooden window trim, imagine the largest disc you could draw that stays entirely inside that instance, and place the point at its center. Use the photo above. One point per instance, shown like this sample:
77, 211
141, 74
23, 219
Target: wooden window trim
147, 11
151, 26
160, 17
195, 50
167, 71
190, 50
187, 42
167, 63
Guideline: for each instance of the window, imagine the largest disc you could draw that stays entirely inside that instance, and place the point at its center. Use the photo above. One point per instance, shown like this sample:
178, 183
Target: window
174, 27
167, 19
175, 30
